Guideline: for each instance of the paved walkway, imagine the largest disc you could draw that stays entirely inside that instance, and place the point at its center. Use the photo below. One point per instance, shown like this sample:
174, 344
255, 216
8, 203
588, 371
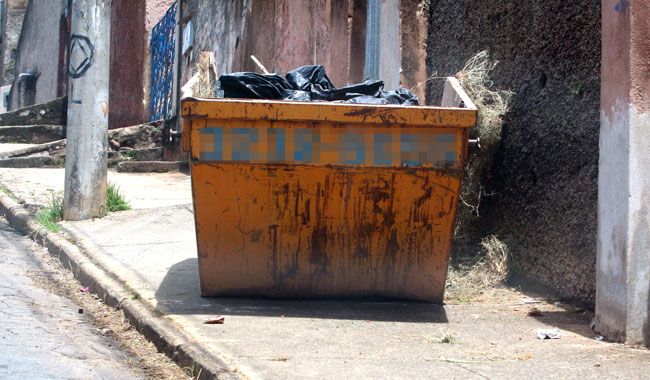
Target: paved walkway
42, 335
152, 249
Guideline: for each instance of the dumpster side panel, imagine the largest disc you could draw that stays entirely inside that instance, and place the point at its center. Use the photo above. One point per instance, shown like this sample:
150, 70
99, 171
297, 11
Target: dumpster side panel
281, 230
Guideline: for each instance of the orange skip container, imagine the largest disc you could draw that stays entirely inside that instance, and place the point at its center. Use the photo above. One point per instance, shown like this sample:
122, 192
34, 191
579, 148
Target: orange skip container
326, 199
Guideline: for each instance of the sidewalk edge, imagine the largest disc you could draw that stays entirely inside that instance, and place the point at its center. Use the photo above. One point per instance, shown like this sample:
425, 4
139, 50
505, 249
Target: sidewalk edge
154, 328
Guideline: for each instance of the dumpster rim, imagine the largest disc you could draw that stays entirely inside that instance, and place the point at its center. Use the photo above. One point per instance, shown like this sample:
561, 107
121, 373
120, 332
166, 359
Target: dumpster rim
308, 112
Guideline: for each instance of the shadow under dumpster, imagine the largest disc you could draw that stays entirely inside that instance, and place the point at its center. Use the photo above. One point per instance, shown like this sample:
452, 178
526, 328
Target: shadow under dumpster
179, 294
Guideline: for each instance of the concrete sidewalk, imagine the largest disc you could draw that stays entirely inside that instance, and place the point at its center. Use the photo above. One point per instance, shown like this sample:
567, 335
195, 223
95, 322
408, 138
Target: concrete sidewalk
151, 251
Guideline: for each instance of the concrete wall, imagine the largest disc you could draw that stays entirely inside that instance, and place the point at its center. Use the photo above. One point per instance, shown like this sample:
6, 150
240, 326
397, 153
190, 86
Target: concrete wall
623, 266
127, 62
285, 34
44, 45
414, 30
219, 27
545, 175
132, 22
38, 48
14, 12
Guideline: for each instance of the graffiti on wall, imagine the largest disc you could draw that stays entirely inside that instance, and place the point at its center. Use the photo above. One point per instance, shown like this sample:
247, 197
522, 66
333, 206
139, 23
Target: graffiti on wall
82, 55
163, 57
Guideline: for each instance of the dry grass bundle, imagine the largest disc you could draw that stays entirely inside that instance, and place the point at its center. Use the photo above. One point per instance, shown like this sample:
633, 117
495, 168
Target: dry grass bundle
494, 266
492, 105
490, 269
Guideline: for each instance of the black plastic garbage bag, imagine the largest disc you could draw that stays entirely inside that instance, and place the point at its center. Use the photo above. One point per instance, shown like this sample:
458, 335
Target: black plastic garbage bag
401, 96
310, 78
297, 95
310, 83
365, 99
253, 86
367, 88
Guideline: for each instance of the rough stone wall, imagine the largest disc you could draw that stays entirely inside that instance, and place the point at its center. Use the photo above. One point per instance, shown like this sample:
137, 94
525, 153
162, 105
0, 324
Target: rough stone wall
15, 12
545, 175
38, 47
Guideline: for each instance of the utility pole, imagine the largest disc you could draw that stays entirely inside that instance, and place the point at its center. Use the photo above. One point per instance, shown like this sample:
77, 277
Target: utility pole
87, 128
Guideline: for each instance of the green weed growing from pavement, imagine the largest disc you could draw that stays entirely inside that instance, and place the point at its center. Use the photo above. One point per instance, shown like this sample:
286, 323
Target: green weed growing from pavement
115, 201
52, 214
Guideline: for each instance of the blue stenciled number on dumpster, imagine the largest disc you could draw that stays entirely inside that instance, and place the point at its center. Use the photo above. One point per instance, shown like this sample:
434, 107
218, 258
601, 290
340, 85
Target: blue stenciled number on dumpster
304, 140
331, 146
382, 149
353, 148
276, 144
243, 140
447, 140
211, 144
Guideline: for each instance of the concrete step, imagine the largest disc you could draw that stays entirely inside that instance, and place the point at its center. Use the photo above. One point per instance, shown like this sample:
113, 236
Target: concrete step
53, 155
55, 148
145, 154
30, 134
53, 112
32, 162
152, 166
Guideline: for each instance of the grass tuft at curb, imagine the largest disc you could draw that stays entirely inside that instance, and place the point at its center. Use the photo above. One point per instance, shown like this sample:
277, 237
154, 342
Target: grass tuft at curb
115, 201
50, 216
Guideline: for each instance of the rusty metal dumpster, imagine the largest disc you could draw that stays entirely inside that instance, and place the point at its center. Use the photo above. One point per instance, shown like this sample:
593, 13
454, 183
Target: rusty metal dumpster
325, 199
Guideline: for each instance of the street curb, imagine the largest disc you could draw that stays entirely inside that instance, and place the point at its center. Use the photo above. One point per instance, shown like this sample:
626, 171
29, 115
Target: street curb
163, 334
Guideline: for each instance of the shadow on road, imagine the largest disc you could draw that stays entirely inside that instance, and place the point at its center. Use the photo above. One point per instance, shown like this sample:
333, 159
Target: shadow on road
179, 293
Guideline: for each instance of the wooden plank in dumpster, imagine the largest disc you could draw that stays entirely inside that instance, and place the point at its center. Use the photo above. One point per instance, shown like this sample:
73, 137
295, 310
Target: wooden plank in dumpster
323, 199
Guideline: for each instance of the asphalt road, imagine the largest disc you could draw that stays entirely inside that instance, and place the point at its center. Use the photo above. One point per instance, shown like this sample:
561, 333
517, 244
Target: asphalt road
42, 335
